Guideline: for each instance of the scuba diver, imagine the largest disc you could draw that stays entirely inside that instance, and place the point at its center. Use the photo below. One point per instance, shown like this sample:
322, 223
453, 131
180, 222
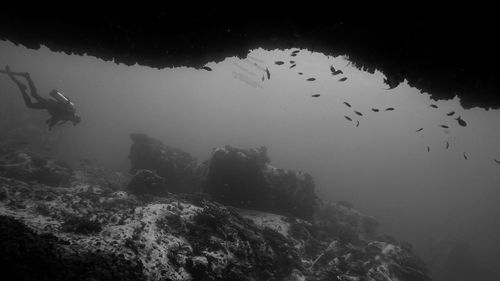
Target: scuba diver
60, 108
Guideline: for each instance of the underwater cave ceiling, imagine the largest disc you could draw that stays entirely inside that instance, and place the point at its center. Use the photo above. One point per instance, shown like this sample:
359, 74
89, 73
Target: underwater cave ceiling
443, 54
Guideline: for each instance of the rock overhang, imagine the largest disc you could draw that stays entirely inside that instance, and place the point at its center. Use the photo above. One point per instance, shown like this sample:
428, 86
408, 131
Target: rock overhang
444, 54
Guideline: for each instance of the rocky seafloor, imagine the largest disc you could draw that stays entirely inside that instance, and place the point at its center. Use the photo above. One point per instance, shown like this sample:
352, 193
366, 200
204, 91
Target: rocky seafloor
86, 223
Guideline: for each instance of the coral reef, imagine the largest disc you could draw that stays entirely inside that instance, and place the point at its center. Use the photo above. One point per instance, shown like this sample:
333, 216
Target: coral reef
89, 231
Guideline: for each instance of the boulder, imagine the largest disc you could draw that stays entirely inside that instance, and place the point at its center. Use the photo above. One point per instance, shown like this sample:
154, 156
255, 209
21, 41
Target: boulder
244, 179
181, 171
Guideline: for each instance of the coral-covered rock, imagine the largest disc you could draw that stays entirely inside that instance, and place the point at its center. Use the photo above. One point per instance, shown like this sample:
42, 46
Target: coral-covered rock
114, 236
29, 166
84, 232
181, 171
343, 221
147, 182
244, 178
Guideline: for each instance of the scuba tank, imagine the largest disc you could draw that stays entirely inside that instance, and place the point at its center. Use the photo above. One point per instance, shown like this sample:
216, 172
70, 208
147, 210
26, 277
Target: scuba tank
62, 99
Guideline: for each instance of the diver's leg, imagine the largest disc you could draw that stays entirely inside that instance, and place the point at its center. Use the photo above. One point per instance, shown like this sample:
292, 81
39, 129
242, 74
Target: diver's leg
20, 85
30, 104
26, 98
33, 91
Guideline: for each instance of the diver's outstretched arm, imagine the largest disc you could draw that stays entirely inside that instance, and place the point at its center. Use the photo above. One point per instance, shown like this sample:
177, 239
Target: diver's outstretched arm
51, 122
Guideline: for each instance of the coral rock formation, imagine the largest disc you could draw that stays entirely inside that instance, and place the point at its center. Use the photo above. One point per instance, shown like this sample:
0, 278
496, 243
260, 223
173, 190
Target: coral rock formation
179, 169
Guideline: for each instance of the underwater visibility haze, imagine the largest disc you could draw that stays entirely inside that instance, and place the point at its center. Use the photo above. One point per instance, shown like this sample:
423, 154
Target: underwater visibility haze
426, 170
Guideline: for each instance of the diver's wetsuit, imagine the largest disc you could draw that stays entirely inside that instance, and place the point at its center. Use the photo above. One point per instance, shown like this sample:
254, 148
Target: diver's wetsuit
60, 112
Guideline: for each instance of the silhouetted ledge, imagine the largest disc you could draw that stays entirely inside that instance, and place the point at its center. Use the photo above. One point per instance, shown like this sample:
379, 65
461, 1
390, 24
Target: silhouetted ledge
444, 54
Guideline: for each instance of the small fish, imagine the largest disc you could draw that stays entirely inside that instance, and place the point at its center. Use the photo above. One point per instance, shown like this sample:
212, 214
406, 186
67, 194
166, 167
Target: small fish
311, 79
433, 105
428, 149
419, 130
444, 126
263, 77
337, 72
358, 113
465, 156
461, 122
296, 51
447, 145
279, 62
207, 68
348, 104
268, 74
343, 79
292, 62
293, 55
450, 113
498, 162
357, 124
389, 109
348, 118
292, 66
315, 95
375, 110
332, 69
300, 73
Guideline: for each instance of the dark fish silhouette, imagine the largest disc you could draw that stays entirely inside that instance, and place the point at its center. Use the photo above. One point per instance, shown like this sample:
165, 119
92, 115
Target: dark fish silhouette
268, 74
292, 66
498, 162
315, 95
296, 51
292, 61
357, 124
461, 122
348, 118
447, 145
419, 130
311, 79
262, 77
207, 68
358, 113
450, 113
389, 109
375, 110
444, 126
293, 55
343, 79
428, 149
279, 62
433, 105
348, 104
465, 156
334, 71
300, 73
